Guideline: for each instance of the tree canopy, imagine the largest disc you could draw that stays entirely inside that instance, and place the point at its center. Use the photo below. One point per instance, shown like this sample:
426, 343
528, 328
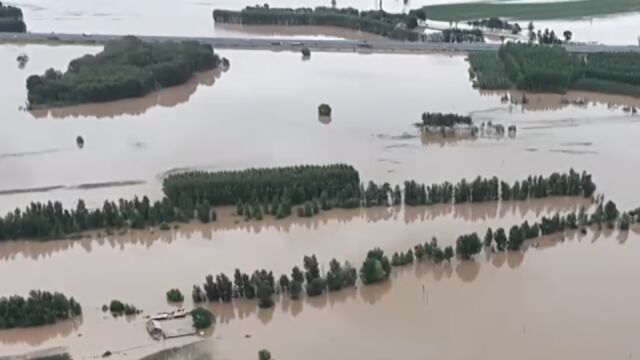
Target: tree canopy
395, 26
11, 19
547, 67
126, 68
202, 318
39, 308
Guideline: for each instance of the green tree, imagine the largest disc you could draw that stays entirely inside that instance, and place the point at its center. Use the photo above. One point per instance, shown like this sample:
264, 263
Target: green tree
468, 245
500, 238
174, 295
516, 238
448, 253
264, 354
201, 318
295, 288
488, 238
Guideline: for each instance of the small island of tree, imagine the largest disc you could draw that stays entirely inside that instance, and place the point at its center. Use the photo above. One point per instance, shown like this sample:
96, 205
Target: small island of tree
324, 110
305, 52
39, 308
174, 295
126, 68
264, 354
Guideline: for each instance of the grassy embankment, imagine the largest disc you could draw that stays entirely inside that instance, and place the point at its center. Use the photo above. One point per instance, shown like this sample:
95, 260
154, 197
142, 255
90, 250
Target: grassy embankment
530, 11
552, 69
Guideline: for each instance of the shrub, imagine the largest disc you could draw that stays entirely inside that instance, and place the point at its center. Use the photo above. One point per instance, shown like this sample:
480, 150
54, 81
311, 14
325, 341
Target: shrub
202, 318
174, 295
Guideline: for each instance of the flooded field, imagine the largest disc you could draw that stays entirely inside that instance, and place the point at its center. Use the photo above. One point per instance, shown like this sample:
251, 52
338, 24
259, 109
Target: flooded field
559, 294
194, 18
240, 119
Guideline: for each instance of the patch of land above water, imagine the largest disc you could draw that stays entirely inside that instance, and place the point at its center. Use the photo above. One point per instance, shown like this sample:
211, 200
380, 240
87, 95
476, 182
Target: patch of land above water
126, 68
530, 11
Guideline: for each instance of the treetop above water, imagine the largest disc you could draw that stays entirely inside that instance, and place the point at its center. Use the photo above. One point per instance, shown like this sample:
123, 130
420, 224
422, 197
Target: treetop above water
529, 10
126, 68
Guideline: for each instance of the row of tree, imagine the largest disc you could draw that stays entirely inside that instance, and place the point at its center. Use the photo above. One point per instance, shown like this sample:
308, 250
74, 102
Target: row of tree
313, 188
261, 285
377, 266
39, 308
52, 220
395, 26
126, 68
483, 189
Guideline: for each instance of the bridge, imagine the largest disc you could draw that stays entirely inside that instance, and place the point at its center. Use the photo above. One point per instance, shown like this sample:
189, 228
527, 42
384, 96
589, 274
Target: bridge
288, 44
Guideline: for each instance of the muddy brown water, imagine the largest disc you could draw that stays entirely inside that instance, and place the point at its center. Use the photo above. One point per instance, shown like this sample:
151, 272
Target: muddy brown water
559, 294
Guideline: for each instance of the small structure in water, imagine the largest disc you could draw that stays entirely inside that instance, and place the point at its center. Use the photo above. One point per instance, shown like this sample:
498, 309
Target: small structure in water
80, 141
178, 314
22, 60
306, 53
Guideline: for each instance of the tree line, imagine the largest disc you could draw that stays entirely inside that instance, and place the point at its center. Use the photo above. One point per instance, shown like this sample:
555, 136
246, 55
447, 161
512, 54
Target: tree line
377, 266
126, 68
271, 191
11, 19
545, 67
52, 220
484, 189
39, 308
395, 26
262, 285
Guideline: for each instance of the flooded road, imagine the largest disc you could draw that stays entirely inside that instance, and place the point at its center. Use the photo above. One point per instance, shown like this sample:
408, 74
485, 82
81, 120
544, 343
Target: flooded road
194, 18
255, 115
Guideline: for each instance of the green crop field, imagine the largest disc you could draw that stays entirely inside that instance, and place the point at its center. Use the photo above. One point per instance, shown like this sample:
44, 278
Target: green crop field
530, 11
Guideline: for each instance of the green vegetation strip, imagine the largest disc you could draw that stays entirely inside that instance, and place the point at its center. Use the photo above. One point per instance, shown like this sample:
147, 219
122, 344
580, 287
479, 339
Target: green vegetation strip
395, 26
39, 308
126, 68
271, 191
530, 11
552, 69
377, 267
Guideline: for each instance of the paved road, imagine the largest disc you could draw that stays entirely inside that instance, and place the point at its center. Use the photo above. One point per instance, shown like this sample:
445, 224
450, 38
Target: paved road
276, 44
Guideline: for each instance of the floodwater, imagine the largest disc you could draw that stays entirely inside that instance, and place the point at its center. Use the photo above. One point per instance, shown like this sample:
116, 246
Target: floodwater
194, 18
251, 117
501, 306
148, 264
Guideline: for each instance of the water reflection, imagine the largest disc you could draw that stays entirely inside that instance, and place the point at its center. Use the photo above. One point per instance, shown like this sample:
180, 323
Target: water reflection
169, 97
550, 102
38, 335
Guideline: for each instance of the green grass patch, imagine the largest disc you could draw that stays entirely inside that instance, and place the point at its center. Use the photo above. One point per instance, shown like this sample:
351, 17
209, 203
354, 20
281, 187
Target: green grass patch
530, 11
